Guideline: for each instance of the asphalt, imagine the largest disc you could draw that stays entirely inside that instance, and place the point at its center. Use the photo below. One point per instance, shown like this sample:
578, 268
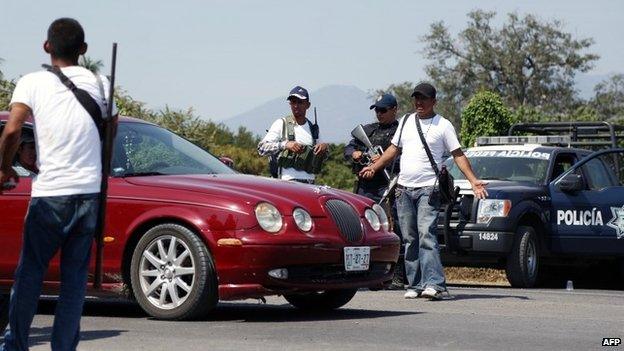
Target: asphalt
471, 318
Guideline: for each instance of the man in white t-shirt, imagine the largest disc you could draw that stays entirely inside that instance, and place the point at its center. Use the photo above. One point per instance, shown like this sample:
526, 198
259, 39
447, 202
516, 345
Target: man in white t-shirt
418, 219
303, 136
62, 214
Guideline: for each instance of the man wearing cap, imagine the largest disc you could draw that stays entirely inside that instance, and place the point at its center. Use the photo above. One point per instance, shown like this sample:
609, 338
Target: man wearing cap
418, 219
379, 133
26, 158
291, 137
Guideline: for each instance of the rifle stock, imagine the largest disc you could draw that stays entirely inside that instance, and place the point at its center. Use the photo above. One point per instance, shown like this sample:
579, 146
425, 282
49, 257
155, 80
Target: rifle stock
107, 147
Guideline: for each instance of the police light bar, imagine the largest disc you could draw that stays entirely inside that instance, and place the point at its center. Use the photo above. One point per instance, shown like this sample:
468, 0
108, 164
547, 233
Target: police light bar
531, 139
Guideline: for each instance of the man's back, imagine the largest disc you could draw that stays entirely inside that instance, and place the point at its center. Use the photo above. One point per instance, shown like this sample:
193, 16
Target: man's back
68, 144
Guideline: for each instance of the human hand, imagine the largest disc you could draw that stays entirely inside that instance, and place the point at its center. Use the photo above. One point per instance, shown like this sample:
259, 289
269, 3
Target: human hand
478, 188
294, 147
357, 155
8, 179
375, 158
367, 172
320, 148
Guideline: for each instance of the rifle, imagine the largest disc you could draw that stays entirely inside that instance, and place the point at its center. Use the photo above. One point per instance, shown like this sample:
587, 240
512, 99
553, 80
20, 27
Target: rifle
107, 150
371, 151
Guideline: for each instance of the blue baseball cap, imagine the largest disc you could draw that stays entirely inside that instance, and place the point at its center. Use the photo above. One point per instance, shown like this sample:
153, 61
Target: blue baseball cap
385, 101
299, 93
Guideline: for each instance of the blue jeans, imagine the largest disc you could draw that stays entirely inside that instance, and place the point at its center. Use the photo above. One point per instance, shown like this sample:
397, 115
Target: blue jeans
52, 223
418, 221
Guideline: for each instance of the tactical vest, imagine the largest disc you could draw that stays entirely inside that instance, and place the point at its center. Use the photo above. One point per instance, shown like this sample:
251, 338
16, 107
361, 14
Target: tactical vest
305, 161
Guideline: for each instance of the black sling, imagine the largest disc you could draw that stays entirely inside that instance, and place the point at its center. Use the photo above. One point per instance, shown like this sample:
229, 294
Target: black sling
85, 99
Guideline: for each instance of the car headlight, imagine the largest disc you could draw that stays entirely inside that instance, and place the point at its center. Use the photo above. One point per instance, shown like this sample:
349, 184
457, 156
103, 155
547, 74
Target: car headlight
302, 219
372, 218
269, 218
383, 217
489, 208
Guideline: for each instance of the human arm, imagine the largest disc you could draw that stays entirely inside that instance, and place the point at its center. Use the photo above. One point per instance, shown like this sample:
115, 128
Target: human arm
478, 186
9, 141
369, 171
353, 151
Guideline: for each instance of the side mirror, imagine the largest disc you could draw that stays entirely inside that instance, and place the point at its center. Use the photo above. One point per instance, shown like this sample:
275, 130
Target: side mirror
571, 183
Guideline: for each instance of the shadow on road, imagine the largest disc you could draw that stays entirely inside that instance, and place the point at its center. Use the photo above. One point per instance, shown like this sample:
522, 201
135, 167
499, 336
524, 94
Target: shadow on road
461, 296
40, 336
100, 308
287, 313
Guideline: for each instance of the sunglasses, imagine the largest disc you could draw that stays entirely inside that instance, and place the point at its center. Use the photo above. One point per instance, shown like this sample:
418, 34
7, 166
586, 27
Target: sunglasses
381, 110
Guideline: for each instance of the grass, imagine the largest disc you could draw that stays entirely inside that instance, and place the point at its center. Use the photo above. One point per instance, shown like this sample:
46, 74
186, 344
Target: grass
476, 276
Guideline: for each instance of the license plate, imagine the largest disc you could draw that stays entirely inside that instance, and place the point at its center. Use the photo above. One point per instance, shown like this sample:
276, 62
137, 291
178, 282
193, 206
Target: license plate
356, 258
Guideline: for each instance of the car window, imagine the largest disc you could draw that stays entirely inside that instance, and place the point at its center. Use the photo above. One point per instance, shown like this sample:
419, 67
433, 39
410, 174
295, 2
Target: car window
562, 163
516, 169
145, 149
599, 175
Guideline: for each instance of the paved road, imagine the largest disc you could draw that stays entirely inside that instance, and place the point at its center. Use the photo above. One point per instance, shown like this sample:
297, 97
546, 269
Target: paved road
472, 319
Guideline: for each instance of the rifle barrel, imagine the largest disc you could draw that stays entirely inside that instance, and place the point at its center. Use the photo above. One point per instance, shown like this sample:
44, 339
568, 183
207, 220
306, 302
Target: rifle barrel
107, 147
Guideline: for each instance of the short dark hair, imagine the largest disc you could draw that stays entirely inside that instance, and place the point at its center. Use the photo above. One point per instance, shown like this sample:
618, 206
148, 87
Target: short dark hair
66, 37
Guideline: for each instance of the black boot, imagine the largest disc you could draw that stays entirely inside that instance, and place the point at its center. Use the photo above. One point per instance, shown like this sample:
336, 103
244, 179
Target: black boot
398, 281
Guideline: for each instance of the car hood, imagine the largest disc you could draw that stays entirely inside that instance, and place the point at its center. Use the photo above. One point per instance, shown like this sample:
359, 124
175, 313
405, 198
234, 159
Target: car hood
249, 190
498, 189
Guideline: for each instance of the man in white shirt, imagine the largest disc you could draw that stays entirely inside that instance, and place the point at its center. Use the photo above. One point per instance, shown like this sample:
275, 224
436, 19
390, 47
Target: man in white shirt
62, 214
304, 139
418, 219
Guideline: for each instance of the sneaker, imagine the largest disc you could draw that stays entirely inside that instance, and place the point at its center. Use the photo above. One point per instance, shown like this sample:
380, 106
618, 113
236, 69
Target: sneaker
411, 294
431, 293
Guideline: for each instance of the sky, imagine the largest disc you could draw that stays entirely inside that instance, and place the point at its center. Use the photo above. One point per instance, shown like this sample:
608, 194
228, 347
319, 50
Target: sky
223, 58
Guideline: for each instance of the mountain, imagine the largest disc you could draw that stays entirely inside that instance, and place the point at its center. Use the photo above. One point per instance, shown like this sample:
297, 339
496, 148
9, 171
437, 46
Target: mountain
339, 109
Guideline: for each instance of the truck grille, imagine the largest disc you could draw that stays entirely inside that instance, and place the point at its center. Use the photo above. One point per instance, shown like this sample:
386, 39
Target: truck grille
346, 219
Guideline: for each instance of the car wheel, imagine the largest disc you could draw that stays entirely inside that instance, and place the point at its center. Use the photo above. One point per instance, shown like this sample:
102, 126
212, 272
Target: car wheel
172, 274
322, 300
523, 261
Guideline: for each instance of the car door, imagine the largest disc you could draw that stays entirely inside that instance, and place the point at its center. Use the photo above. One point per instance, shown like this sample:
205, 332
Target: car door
587, 214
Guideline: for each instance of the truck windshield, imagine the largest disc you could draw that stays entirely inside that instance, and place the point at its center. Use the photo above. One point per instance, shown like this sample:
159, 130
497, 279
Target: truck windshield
515, 169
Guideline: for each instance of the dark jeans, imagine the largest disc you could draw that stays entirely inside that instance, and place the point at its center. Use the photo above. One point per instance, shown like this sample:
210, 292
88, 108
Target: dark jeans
52, 223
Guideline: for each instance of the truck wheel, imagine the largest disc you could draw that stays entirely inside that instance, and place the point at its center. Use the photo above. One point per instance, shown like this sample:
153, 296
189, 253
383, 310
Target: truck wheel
172, 274
523, 261
321, 301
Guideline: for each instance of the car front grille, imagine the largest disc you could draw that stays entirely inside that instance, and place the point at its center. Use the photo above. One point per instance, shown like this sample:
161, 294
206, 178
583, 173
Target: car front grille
346, 219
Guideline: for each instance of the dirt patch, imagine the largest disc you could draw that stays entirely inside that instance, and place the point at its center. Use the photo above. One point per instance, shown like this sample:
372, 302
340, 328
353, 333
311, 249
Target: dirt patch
476, 276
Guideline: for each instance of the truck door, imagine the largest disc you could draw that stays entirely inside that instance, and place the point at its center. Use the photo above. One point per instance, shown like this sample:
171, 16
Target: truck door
587, 214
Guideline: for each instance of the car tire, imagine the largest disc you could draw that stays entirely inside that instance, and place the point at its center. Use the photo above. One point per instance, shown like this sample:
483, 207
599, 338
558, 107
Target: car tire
321, 301
172, 274
523, 262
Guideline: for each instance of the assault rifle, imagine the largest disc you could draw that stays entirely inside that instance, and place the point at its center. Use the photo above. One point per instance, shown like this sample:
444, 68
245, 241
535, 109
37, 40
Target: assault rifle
371, 151
107, 150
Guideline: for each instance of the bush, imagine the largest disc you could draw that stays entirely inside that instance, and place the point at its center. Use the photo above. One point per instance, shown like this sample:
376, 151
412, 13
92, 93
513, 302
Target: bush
485, 115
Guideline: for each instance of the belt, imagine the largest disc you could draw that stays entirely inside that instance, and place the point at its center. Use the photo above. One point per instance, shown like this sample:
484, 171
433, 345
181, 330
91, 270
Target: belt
399, 186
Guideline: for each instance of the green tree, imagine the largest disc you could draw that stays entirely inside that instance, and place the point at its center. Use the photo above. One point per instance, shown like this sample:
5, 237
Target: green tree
402, 92
92, 65
609, 98
527, 62
486, 114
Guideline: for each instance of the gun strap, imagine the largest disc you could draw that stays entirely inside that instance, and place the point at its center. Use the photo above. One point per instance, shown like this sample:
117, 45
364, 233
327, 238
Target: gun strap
288, 129
404, 120
426, 146
85, 99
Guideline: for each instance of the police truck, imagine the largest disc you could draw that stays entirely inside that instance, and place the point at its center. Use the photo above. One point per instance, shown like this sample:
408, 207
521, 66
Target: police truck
556, 197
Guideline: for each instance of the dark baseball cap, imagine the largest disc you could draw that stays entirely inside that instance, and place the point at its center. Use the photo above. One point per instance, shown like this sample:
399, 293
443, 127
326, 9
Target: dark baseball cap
385, 101
299, 93
425, 89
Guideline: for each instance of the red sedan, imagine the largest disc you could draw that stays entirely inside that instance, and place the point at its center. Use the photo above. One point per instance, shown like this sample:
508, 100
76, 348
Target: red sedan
184, 231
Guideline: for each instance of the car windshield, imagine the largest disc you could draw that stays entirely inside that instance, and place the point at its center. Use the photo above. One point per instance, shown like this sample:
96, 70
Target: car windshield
493, 167
144, 149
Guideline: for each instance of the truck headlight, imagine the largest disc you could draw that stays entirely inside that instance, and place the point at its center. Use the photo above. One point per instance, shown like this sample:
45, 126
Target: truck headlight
489, 208
269, 217
383, 217
303, 220
372, 218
